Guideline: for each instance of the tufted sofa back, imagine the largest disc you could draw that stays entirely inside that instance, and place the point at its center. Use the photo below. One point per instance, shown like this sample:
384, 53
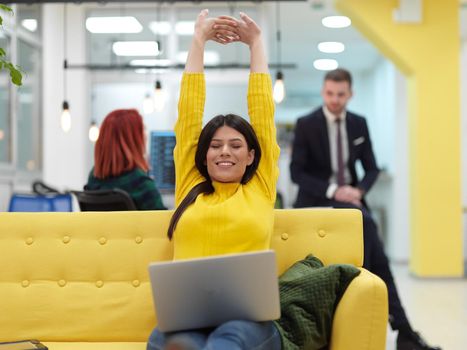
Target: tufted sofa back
83, 276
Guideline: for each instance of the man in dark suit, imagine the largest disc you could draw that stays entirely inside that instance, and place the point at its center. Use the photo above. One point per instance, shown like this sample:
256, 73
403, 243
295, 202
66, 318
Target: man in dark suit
327, 145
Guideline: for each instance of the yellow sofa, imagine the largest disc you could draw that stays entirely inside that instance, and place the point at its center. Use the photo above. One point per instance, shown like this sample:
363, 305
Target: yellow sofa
79, 280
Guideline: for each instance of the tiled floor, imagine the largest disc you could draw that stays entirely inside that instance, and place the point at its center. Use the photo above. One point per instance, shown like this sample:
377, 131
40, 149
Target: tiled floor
437, 308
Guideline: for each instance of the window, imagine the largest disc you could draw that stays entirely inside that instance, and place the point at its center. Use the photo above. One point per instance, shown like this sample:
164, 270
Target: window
28, 109
5, 115
20, 107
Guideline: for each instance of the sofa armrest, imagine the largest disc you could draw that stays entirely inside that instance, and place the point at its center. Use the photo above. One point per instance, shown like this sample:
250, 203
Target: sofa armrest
361, 317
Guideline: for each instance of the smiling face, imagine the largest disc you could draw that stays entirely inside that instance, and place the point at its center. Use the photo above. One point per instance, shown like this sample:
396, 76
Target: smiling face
335, 95
228, 155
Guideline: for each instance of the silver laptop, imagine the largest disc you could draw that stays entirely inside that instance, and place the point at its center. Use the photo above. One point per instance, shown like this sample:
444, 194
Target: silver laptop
206, 292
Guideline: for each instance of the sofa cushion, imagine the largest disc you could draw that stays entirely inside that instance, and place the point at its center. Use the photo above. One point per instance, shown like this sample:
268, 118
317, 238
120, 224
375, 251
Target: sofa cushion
96, 346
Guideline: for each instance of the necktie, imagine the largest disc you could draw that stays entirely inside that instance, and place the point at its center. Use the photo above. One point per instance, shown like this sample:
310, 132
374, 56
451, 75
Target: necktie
340, 156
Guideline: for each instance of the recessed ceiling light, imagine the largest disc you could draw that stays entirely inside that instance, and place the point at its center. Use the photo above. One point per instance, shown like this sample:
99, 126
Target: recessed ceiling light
161, 28
127, 24
336, 21
163, 62
331, 47
210, 57
325, 64
135, 48
30, 24
185, 27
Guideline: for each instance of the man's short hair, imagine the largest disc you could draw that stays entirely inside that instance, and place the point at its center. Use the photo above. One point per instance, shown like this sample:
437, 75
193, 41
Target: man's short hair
339, 75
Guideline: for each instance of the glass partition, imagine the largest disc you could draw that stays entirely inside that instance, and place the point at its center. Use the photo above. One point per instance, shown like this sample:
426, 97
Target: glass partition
28, 117
5, 115
28, 18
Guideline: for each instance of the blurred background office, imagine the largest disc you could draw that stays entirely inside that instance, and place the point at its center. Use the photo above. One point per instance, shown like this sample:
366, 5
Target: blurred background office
101, 56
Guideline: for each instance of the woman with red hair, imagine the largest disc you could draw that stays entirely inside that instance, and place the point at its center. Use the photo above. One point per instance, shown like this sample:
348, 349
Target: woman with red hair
119, 160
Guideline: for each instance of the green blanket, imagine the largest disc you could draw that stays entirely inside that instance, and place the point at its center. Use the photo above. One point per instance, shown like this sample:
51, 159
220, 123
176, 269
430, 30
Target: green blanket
309, 293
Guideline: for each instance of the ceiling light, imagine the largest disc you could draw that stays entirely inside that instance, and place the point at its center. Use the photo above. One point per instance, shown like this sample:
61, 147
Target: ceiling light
127, 24
211, 58
159, 96
65, 117
325, 64
153, 62
30, 165
93, 132
185, 28
331, 47
279, 88
136, 48
148, 104
336, 21
161, 28
30, 24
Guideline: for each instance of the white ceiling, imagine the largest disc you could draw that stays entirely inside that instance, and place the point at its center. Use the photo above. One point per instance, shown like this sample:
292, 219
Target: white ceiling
301, 32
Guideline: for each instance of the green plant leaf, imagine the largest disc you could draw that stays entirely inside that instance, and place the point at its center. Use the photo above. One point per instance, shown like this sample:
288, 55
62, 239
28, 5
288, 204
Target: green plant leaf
15, 72
16, 76
5, 8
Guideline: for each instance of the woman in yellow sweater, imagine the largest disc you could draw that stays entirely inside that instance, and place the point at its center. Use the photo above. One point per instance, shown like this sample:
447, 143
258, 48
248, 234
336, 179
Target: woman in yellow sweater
226, 176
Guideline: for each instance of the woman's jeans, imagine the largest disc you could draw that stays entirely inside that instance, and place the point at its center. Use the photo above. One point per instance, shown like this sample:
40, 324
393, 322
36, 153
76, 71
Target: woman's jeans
232, 335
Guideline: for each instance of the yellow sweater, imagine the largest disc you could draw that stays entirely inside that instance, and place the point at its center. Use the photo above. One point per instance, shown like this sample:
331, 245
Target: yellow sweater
235, 218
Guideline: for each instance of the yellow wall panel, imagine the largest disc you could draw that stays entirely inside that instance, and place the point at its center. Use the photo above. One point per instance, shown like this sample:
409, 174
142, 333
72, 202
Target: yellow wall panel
428, 54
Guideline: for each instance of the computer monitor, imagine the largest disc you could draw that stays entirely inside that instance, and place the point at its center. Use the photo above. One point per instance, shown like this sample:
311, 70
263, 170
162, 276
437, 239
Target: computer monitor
162, 144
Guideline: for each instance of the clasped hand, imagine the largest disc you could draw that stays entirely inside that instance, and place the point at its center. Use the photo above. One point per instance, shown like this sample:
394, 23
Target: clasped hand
227, 29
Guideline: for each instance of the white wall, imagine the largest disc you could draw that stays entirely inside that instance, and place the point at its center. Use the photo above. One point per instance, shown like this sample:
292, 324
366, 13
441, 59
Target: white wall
374, 98
64, 155
399, 243
380, 95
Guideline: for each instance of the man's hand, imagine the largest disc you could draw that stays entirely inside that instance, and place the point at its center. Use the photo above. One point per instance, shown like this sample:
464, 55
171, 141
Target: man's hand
349, 194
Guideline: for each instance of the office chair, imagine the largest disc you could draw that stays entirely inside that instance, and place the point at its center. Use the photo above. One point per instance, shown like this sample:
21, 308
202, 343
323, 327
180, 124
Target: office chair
104, 200
40, 187
40, 202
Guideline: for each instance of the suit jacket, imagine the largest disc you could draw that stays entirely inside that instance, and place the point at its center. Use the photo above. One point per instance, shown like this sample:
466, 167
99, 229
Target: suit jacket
310, 167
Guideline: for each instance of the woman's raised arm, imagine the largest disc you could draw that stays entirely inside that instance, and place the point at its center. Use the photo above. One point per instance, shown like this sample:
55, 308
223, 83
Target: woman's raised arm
261, 105
191, 101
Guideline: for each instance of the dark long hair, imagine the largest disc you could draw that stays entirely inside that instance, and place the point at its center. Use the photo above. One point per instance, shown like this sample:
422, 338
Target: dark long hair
235, 122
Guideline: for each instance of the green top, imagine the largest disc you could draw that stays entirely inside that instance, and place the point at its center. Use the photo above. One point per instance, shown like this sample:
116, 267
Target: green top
309, 294
136, 183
